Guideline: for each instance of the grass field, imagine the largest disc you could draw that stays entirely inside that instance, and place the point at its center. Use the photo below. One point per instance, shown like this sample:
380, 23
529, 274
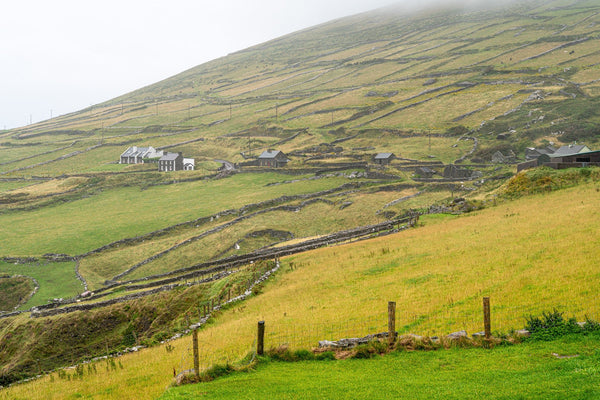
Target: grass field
437, 274
337, 93
516, 372
127, 212
56, 280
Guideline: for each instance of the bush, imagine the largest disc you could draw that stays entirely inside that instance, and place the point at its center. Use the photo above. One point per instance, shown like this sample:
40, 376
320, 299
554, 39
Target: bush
325, 356
370, 349
551, 325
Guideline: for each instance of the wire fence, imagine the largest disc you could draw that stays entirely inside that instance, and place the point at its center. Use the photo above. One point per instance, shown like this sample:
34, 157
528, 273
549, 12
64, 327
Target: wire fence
464, 315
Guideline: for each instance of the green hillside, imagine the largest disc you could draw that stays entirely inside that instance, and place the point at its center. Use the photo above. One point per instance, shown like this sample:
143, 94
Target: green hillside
434, 88
443, 90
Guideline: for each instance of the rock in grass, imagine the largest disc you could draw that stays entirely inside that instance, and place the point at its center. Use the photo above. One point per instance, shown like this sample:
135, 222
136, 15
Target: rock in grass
457, 335
523, 333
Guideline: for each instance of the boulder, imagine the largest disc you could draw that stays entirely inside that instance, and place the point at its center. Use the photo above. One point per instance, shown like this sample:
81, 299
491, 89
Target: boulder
457, 335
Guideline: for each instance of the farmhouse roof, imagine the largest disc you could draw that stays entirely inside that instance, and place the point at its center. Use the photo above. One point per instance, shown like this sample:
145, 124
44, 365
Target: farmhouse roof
135, 151
384, 156
270, 154
169, 157
570, 150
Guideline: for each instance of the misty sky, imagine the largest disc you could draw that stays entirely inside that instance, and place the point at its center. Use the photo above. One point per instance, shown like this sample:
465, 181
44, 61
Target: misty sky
59, 56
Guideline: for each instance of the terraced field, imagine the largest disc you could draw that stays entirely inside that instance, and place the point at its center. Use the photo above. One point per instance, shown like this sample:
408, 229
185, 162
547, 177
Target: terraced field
442, 89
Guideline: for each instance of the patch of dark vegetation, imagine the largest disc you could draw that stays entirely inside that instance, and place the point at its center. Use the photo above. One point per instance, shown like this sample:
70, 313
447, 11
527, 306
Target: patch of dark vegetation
43, 344
544, 180
553, 325
13, 290
458, 130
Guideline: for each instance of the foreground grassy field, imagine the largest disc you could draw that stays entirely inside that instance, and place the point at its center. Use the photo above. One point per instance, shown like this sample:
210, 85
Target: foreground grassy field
437, 274
524, 371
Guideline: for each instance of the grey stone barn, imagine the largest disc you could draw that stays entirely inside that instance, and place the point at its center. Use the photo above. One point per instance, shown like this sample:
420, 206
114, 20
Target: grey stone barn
171, 162
384, 158
272, 158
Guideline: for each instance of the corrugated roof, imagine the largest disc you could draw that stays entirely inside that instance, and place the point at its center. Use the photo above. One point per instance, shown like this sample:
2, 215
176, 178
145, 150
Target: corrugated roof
383, 156
269, 154
134, 151
570, 150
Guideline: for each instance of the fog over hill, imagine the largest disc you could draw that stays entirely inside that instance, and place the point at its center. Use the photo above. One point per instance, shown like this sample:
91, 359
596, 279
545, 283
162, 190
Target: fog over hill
63, 56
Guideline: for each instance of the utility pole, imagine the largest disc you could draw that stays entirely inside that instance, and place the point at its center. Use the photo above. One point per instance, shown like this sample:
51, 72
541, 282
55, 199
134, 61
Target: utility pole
229, 110
276, 111
429, 141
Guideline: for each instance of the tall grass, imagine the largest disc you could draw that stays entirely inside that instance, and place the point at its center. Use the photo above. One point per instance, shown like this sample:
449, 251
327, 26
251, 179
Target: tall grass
530, 255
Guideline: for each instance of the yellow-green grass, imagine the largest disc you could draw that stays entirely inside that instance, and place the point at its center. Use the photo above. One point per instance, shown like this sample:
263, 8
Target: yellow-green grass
127, 212
417, 147
490, 112
43, 157
13, 185
11, 155
99, 267
51, 187
554, 58
319, 218
530, 255
443, 110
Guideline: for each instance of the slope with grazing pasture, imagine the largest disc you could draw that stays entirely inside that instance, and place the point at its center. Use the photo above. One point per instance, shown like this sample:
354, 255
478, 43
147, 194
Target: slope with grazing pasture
434, 87
528, 255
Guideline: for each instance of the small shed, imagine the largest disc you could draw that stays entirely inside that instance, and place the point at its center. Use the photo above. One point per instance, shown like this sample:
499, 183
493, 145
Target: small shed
425, 172
272, 158
189, 164
384, 158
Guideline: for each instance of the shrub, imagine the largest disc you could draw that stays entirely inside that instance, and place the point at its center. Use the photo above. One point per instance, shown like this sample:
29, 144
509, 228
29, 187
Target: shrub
551, 325
370, 349
325, 356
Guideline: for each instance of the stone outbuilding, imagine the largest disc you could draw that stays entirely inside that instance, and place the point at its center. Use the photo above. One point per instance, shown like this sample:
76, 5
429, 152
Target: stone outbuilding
272, 158
425, 172
384, 158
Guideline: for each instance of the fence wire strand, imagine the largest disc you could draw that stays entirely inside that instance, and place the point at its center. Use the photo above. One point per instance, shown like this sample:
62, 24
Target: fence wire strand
440, 322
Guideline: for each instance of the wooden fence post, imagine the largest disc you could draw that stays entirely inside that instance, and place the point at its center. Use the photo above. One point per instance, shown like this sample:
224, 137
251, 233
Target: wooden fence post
196, 355
391, 322
486, 318
260, 340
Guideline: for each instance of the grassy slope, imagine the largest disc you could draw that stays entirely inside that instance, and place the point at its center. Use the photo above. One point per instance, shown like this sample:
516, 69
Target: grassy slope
517, 372
13, 290
380, 77
56, 280
438, 272
127, 212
